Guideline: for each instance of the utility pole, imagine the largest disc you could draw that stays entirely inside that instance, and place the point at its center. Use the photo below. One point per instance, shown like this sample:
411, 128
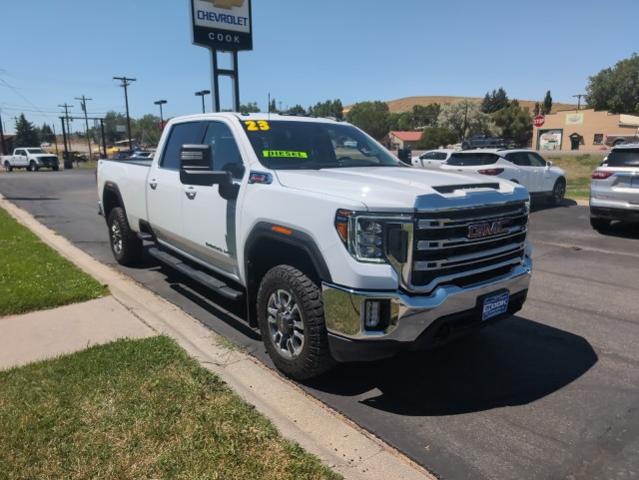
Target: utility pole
55, 139
83, 105
160, 103
125, 84
2, 144
67, 163
66, 133
579, 96
203, 93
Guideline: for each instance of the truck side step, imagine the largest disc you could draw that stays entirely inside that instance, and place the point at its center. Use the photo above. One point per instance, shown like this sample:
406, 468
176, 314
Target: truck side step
145, 236
195, 274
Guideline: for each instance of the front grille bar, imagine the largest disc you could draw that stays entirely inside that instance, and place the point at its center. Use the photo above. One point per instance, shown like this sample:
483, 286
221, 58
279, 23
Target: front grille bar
430, 245
463, 260
438, 223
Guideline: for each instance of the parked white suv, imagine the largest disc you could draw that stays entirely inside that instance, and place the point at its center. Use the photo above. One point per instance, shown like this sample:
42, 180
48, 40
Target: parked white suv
522, 166
340, 251
614, 192
432, 159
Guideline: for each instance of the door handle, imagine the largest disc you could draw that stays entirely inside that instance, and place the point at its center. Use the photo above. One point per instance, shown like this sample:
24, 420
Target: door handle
153, 185
191, 194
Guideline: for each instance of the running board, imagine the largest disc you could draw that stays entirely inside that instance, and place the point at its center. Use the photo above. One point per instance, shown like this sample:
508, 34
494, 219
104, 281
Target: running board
199, 276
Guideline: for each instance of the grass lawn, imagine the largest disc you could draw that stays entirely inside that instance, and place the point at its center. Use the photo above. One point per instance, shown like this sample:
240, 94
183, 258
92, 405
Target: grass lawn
578, 169
35, 277
137, 409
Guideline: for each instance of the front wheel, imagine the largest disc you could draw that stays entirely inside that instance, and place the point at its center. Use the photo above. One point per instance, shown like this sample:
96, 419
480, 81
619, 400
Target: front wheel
33, 167
558, 192
8, 167
291, 319
125, 244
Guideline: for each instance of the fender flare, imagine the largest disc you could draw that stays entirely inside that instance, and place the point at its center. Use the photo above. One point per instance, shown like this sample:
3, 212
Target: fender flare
112, 188
264, 230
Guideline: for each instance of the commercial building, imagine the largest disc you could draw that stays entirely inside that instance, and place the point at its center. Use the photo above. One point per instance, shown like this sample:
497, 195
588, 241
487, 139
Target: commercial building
400, 140
586, 130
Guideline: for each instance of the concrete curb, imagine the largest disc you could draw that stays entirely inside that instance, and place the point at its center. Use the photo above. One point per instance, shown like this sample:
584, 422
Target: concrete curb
337, 441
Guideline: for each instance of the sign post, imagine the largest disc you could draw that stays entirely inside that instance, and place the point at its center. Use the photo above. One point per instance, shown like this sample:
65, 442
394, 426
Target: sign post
223, 26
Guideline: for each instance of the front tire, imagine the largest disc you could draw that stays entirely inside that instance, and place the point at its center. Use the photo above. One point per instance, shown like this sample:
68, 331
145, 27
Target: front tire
600, 224
125, 244
291, 319
33, 167
558, 192
8, 167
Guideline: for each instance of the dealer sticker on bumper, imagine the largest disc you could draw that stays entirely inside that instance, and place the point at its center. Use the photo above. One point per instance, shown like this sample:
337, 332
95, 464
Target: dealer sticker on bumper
495, 305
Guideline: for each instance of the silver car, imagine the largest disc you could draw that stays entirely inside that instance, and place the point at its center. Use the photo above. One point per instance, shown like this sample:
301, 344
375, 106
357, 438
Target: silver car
614, 192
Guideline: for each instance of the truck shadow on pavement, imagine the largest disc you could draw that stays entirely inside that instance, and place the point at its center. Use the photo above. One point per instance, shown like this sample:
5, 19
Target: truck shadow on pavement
622, 230
539, 205
514, 362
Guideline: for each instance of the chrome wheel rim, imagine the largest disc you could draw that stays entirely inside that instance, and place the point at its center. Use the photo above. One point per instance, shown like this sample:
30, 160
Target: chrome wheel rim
116, 238
285, 323
560, 192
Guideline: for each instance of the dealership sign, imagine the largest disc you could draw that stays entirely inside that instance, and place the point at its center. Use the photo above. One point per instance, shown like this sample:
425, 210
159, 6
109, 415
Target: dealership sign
224, 25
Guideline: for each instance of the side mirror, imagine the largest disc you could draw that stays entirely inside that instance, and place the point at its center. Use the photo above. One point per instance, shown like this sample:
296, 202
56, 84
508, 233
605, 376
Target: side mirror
195, 169
549, 164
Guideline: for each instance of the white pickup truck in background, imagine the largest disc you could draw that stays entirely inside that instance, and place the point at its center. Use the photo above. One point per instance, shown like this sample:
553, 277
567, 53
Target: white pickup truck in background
340, 251
31, 158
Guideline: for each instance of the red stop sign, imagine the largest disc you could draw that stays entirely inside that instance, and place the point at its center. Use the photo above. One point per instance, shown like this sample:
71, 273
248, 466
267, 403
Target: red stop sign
539, 121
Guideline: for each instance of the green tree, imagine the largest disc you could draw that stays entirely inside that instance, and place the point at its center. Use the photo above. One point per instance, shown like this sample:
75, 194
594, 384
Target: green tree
495, 101
372, 117
538, 109
436, 137
617, 88
250, 107
272, 106
465, 118
402, 121
426, 115
515, 123
329, 108
111, 122
297, 110
26, 133
146, 130
547, 103
46, 133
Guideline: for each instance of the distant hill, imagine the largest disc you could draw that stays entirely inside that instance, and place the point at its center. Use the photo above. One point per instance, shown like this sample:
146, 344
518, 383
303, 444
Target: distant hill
406, 104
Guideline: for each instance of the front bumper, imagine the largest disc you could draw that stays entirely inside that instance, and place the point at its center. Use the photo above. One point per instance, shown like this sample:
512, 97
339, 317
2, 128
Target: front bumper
413, 319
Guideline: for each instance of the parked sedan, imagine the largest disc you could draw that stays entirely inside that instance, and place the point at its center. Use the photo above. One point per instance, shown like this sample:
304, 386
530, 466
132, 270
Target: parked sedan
432, 159
614, 192
525, 167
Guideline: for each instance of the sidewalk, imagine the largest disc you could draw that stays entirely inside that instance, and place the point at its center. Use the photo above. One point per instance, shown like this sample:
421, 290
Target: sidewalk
50, 333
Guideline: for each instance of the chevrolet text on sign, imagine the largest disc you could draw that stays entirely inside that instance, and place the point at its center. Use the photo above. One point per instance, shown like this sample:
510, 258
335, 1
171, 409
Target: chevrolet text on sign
222, 24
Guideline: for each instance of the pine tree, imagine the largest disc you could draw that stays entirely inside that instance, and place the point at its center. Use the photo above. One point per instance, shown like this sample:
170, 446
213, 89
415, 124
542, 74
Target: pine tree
537, 110
547, 103
26, 133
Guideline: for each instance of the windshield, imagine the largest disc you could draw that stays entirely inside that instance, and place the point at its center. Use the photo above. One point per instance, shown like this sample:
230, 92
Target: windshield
288, 145
35, 150
623, 157
472, 159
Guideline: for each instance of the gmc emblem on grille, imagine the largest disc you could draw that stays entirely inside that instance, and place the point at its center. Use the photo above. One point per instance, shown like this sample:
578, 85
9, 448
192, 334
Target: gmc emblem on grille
486, 229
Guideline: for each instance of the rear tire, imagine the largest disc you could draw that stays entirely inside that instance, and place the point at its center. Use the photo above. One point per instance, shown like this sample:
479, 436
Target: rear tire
291, 319
8, 167
600, 224
558, 192
125, 244
56, 168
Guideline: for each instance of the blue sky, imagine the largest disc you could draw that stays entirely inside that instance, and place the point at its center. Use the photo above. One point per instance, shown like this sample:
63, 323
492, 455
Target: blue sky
306, 51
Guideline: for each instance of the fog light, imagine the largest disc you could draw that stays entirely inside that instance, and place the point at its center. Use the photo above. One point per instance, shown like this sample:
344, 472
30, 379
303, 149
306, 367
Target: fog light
372, 314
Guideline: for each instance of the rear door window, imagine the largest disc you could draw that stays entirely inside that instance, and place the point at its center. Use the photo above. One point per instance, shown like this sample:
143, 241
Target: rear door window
181, 134
519, 158
472, 159
623, 157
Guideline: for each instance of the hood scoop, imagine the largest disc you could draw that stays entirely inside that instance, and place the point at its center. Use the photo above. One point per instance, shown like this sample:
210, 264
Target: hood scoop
469, 186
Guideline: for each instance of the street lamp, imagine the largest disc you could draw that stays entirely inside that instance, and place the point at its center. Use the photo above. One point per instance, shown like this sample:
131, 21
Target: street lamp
203, 93
160, 103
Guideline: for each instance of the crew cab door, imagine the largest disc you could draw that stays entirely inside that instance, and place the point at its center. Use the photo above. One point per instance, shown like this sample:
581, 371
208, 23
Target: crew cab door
20, 158
164, 189
209, 220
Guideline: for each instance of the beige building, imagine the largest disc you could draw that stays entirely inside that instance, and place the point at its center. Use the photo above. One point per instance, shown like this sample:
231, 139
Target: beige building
586, 130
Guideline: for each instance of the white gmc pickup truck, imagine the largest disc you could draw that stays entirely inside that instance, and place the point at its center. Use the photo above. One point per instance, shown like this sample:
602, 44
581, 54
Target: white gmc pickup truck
340, 251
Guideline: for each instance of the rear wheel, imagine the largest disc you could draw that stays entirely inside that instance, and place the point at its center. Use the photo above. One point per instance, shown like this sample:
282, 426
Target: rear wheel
291, 320
125, 244
7, 166
558, 192
600, 224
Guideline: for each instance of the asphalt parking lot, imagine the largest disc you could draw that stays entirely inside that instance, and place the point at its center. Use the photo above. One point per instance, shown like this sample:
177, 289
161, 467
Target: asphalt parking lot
550, 393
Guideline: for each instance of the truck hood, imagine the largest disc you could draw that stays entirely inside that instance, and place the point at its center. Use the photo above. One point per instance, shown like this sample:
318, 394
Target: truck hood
382, 188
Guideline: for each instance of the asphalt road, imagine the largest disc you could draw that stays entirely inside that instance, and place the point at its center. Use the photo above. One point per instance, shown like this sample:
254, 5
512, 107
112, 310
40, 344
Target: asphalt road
550, 393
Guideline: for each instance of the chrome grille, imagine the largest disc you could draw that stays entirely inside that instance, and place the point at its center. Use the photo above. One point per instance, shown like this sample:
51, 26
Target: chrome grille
444, 253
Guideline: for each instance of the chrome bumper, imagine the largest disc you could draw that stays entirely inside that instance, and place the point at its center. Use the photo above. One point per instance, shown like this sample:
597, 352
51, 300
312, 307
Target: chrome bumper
411, 315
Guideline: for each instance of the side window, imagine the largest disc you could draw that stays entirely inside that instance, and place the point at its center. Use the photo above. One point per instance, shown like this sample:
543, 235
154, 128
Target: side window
19, 152
536, 160
181, 134
519, 158
439, 156
226, 154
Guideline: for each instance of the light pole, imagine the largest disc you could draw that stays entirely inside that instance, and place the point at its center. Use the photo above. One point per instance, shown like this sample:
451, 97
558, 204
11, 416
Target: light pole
202, 94
125, 84
160, 103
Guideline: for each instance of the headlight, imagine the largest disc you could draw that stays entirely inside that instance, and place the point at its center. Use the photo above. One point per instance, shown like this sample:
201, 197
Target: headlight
365, 235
